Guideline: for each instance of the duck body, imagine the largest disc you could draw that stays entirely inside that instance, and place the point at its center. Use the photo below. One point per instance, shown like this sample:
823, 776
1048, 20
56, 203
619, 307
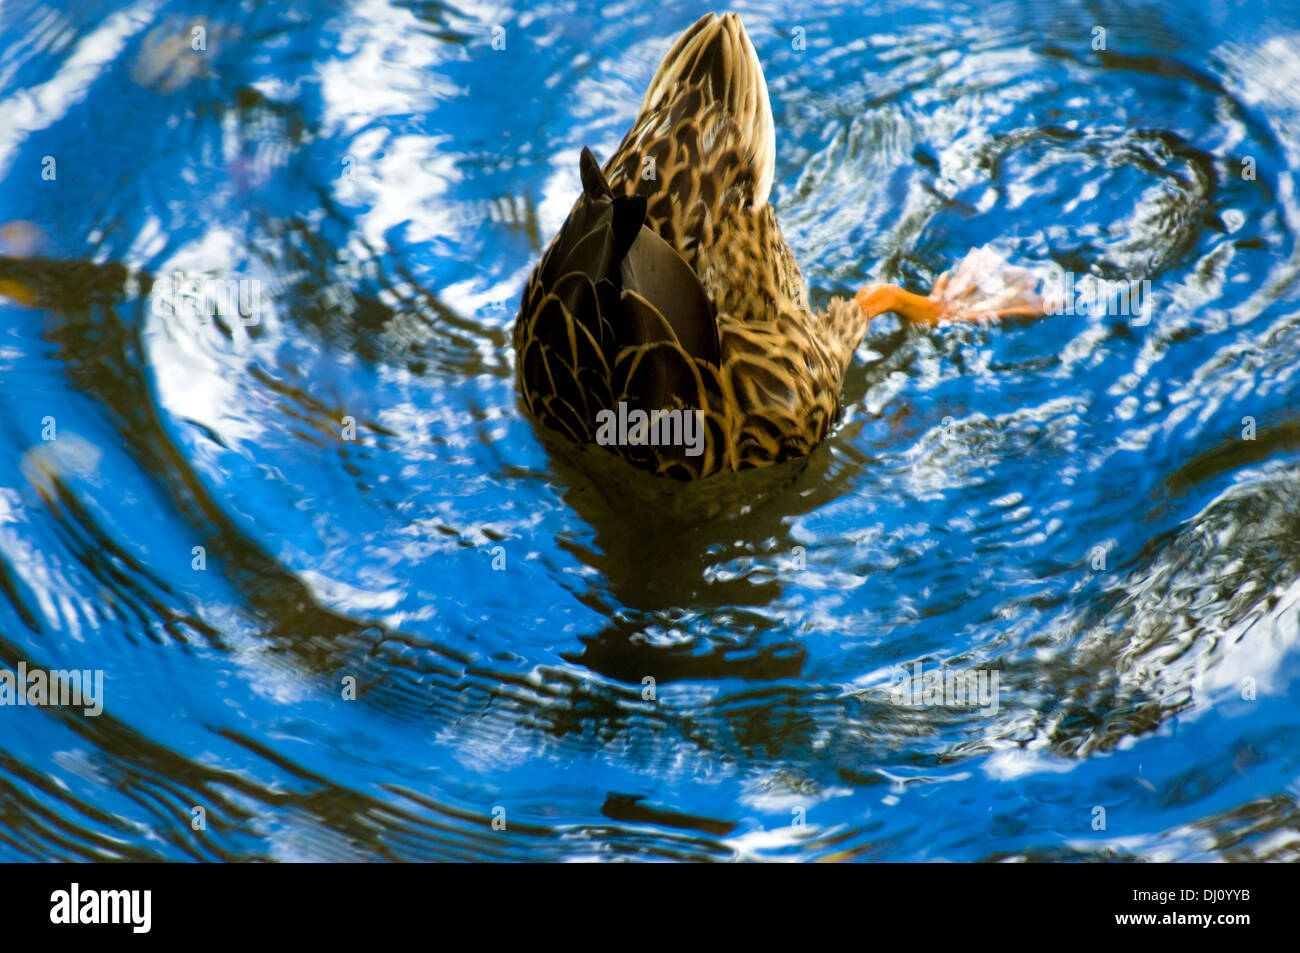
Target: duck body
669, 290
670, 287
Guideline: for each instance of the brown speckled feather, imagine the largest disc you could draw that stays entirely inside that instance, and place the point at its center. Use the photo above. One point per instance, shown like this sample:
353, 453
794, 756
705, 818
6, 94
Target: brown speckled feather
670, 285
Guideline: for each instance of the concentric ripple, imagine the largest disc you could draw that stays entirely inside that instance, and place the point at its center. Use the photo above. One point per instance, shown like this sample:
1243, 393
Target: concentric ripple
351, 605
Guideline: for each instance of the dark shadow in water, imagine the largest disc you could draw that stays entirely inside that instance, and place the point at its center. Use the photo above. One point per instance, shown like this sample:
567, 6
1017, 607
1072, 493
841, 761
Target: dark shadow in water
628, 807
655, 544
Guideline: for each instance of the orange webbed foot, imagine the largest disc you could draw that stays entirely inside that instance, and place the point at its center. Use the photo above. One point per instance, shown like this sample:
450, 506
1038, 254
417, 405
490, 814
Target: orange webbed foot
982, 286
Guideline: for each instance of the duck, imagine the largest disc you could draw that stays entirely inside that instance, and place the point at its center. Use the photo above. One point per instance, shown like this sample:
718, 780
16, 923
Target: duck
668, 321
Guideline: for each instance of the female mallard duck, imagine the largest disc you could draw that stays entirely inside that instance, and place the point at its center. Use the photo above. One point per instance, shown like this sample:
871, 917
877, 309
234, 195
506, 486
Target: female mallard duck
668, 320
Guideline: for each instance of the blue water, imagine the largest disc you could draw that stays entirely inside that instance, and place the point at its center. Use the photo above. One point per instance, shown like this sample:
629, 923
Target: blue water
1074, 503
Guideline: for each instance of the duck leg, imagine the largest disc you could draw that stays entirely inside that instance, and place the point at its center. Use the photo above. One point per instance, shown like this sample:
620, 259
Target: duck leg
983, 286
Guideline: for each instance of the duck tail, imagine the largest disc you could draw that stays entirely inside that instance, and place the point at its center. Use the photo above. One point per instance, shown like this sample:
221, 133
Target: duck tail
716, 56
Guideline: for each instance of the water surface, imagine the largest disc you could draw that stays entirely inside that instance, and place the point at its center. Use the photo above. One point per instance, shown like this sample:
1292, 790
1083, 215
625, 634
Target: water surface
234, 518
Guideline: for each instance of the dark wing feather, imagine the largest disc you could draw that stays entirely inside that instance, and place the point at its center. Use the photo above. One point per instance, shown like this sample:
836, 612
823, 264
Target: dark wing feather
654, 270
611, 313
